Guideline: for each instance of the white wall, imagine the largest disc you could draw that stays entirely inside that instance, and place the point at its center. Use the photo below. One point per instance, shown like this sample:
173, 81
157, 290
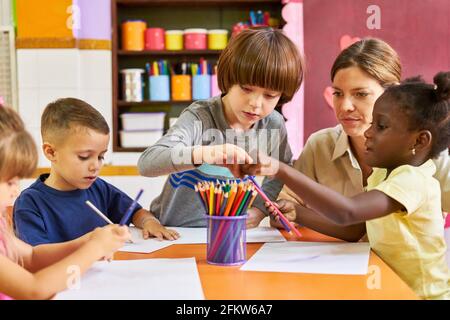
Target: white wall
45, 75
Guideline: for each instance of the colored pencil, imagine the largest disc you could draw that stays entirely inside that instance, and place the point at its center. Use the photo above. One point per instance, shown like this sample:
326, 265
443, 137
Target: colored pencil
286, 223
129, 212
103, 216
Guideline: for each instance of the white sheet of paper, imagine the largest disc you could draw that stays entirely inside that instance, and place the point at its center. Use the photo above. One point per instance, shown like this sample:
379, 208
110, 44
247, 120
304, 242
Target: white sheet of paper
311, 257
140, 245
198, 235
195, 236
155, 279
264, 234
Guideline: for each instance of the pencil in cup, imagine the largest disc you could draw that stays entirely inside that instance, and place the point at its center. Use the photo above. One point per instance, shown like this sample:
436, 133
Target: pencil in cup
226, 241
248, 199
222, 232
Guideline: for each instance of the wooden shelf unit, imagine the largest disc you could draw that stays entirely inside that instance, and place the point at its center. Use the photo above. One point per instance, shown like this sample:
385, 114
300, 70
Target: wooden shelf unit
170, 14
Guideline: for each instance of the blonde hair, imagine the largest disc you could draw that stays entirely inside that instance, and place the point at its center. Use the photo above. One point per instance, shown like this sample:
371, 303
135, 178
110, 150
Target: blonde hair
18, 158
261, 57
375, 57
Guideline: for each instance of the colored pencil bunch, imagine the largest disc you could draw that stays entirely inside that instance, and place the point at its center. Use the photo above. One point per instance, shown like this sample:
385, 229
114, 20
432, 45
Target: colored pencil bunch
226, 205
226, 199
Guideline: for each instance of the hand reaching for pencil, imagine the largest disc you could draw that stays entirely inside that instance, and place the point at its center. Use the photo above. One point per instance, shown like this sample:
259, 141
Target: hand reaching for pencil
263, 166
227, 155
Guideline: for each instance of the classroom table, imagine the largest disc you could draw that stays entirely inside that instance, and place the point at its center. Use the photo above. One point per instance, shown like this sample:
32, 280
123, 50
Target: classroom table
228, 282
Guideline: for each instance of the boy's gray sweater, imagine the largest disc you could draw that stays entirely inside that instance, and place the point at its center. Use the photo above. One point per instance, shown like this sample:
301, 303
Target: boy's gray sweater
203, 123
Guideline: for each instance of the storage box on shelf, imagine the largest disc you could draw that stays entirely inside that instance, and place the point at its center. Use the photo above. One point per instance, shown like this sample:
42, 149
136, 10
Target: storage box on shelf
139, 138
143, 121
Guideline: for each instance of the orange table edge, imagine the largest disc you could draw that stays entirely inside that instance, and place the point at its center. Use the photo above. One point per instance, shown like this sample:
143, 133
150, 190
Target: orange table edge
225, 282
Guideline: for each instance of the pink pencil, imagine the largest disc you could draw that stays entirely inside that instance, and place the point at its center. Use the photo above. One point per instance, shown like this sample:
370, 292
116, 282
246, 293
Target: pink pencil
282, 217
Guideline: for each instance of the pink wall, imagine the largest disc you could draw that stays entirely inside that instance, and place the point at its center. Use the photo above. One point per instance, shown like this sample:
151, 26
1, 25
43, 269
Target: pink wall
418, 29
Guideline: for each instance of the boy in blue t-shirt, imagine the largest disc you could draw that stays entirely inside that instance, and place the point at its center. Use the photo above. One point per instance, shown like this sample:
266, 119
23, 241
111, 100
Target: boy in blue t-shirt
53, 209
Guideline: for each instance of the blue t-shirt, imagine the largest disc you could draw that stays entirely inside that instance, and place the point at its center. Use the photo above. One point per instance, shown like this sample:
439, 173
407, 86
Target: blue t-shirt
46, 215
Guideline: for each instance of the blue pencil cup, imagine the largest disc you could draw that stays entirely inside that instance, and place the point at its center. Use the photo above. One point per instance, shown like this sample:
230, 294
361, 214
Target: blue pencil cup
159, 88
201, 86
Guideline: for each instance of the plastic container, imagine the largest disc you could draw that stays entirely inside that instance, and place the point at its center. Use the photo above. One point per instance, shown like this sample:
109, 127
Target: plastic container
159, 88
201, 86
139, 139
217, 39
181, 87
142, 121
133, 35
195, 39
226, 240
132, 84
215, 91
154, 39
174, 39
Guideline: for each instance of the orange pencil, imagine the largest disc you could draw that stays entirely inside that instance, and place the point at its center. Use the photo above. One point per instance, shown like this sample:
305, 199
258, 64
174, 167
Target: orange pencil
239, 191
201, 191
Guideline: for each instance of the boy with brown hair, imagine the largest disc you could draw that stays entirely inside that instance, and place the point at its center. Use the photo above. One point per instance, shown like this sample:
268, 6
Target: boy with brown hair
75, 139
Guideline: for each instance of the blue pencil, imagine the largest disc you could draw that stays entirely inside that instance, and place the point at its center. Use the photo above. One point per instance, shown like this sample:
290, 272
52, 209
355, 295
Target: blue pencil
129, 212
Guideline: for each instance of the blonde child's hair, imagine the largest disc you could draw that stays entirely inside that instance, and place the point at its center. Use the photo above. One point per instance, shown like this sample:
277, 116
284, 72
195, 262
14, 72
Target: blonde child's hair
18, 158
265, 58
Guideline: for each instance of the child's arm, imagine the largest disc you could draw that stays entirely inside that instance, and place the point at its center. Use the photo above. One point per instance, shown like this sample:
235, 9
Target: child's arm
181, 149
41, 256
173, 152
151, 226
19, 283
334, 206
311, 219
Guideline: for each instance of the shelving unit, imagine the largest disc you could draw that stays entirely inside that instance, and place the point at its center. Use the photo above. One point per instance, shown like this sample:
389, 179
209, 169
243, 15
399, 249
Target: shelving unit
155, 53
171, 14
